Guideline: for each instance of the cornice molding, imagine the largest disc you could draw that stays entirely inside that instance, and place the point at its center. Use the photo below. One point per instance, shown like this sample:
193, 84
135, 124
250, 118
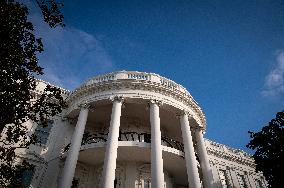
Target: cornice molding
230, 157
244, 160
134, 84
84, 105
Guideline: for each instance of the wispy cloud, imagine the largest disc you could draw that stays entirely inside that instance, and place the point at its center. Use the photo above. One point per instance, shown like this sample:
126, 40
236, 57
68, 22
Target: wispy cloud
274, 81
70, 55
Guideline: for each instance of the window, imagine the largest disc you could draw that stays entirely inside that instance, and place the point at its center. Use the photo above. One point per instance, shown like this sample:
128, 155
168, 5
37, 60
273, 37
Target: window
115, 183
223, 179
147, 183
75, 183
42, 133
25, 177
147, 138
258, 184
242, 182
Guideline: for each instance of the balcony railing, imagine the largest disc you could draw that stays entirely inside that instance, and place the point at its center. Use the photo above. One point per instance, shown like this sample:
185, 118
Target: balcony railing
90, 138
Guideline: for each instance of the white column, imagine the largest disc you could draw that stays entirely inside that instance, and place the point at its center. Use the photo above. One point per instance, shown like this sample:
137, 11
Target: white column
157, 174
73, 153
229, 177
234, 177
190, 159
263, 181
204, 161
250, 180
216, 178
112, 145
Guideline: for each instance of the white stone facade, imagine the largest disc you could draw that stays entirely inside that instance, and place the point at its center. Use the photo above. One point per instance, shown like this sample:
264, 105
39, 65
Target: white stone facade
135, 130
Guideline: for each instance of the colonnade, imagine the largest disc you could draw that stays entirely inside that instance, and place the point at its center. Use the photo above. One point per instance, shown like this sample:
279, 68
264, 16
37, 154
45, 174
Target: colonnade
157, 175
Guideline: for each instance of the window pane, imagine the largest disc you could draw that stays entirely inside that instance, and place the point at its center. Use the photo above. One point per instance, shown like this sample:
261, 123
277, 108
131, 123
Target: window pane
258, 184
222, 174
42, 133
241, 179
147, 184
27, 178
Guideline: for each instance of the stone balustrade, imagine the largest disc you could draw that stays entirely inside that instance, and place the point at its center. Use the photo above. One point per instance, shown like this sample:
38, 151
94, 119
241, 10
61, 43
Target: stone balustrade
90, 138
134, 75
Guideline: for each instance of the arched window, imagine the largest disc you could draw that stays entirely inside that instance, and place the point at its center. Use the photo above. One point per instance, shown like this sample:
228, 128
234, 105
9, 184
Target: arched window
147, 183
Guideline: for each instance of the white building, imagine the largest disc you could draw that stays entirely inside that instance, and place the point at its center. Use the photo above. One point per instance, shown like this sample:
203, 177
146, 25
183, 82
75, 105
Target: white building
134, 130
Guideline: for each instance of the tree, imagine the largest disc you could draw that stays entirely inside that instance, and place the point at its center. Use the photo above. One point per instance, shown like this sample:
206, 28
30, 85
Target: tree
18, 67
269, 150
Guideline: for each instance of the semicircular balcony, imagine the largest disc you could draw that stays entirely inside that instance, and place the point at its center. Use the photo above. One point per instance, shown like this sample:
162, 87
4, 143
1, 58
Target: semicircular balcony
134, 141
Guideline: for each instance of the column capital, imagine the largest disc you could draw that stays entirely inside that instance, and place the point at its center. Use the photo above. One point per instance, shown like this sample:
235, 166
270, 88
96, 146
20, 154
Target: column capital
91, 108
118, 98
85, 105
184, 112
155, 101
72, 121
199, 129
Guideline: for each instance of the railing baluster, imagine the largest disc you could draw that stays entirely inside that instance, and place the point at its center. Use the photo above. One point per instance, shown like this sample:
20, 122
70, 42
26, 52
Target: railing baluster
90, 138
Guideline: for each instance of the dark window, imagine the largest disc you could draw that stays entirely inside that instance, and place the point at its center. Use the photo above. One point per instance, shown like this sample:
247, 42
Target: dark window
42, 133
258, 184
147, 138
25, 177
223, 179
115, 182
242, 181
75, 183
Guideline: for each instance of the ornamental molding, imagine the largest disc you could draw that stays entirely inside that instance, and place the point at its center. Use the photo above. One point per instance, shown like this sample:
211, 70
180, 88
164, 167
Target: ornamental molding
199, 129
189, 116
118, 98
233, 166
63, 90
184, 112
230, 154
231, 157
138, 81
32, 156
155, 101
72, 121
84, 105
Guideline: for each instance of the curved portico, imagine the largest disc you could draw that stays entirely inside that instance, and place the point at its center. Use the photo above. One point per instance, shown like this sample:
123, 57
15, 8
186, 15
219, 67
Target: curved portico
140, 113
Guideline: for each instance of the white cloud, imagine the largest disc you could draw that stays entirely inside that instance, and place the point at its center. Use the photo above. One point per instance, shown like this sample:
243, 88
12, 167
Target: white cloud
70, 55
274, 81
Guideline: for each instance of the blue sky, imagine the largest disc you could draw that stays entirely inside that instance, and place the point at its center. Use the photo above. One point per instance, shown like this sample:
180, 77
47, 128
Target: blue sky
228, 54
